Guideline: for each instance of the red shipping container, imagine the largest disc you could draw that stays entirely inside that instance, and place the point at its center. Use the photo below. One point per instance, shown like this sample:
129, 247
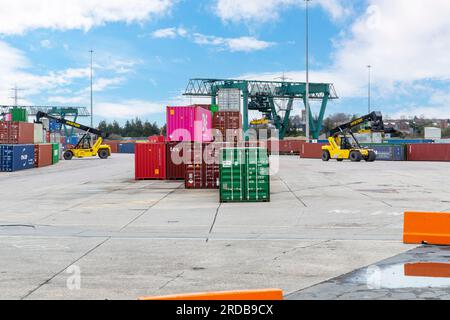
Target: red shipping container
311, 150
178, 154
286, 147
17, 133
203, 171
150, 161
156, 139
227, 124
428, 152
114, 146
43, 155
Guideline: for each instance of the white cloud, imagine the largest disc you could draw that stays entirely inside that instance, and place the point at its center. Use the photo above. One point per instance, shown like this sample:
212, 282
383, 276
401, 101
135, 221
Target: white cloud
241, 44
19, 16
169, 33
46, 44
260, 11
128, 109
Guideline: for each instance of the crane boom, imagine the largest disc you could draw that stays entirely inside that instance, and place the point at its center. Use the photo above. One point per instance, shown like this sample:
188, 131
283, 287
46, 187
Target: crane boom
375, 117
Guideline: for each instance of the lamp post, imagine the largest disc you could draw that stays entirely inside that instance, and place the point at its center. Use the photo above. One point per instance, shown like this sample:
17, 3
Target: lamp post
92, 93
369, 88
307, 73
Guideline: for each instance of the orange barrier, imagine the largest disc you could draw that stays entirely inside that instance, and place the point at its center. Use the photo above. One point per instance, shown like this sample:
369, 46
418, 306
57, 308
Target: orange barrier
428, 269
249, 295
427, 227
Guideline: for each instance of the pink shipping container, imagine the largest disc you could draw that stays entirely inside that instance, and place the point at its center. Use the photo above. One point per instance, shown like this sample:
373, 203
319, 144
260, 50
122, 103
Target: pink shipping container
189, 124
8, 117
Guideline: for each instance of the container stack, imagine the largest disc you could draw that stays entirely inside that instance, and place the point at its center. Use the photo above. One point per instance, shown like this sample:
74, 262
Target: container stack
191, 151
25, 145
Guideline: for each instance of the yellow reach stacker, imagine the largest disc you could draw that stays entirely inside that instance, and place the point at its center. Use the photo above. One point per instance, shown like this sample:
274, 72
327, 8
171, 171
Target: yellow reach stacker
84, 147
343, 144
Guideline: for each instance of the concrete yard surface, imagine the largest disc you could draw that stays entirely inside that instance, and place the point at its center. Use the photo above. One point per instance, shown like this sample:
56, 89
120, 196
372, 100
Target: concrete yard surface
84, 229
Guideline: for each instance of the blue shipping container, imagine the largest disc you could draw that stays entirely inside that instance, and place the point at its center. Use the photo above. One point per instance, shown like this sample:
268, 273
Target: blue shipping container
410, 141
126, 148
16, 157
72, 140
54, 126
389, 152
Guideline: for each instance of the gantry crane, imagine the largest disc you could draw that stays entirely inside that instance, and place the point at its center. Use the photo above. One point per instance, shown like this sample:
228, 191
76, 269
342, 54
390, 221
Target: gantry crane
261, 96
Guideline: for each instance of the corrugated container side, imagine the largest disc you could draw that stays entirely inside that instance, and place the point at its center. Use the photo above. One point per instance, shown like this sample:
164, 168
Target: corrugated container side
126, 148
21, 133
188, 124
157, 139
388, 152
55, 153
202, 167
244, 175
150, 161
4, 132
16, 157
311, 150
38, 133
178, 154
43, 155
428, 152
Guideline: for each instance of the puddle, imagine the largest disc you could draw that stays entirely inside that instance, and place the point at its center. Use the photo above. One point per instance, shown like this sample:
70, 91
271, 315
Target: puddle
405, 275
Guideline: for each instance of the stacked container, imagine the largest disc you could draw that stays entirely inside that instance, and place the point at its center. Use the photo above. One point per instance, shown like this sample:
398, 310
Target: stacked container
244, 175
43, 155
189, 124
202, 167
178, 153
228, 124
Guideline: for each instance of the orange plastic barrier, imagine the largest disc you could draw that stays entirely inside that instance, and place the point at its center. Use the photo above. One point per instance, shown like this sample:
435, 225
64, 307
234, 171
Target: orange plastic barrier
251, 295
427, 227
428, 269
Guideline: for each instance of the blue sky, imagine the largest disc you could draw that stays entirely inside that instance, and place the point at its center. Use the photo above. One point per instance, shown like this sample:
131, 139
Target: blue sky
147, 50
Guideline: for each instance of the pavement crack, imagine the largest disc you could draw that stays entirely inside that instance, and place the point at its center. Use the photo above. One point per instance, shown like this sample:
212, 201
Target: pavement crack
171, 280
214, 221
64, 269
295, 195
17, 226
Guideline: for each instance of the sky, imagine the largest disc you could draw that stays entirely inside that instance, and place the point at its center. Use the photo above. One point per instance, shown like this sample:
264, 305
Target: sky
145, 51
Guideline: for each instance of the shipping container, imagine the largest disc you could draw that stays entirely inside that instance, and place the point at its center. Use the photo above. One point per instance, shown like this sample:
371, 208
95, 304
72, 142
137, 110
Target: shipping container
244, 175
388, 152
113, 145
56, 153
229, 99
39, 136
14, 157
72, 140
408, 141
8, 117
43, 155
19, 115
286, 147
156, 139
126, 147
54, 126
428, 152
227, 125
16, 133
189, 124
178, 154
312, 150
150, 161
202, 167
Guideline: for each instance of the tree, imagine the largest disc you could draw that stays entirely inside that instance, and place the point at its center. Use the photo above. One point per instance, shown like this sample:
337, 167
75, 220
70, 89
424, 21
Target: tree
134, 128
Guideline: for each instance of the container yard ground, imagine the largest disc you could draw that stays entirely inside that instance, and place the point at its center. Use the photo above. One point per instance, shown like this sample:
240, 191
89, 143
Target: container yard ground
138, 238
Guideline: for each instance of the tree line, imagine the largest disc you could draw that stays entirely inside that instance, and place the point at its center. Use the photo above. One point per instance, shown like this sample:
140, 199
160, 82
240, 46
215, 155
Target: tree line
132, 128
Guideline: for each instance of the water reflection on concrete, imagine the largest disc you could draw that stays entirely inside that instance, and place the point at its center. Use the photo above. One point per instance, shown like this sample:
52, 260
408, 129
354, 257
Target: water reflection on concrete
422, 273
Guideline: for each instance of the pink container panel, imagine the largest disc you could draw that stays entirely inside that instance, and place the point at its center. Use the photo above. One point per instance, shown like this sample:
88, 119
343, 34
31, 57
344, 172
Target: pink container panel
189, 124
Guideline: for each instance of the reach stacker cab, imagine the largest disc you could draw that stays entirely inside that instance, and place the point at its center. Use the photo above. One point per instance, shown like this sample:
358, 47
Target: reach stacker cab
84, 148
343, 144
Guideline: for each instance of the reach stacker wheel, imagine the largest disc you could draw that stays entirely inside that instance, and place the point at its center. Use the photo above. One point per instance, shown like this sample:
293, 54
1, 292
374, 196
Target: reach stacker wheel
103, 154
326, 155
68, 155
371, 157
355, 156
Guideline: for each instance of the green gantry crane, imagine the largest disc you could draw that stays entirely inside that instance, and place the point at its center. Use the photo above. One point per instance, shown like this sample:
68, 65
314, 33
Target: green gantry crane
261, 95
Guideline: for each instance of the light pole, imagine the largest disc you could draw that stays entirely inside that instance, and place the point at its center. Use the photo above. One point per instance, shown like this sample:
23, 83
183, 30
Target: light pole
92, 91
307, 72
369, 88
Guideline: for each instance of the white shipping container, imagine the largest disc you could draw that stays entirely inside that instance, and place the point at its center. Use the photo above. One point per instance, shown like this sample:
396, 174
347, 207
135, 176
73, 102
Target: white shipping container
229, 100
433, 133
39, 136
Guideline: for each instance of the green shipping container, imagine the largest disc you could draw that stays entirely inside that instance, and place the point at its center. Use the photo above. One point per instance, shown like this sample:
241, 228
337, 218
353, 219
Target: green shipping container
55, 153
244, 175
19, 115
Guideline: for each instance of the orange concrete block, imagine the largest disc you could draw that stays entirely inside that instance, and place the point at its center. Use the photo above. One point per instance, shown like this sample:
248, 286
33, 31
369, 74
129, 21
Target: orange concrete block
427, 227
249, 295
